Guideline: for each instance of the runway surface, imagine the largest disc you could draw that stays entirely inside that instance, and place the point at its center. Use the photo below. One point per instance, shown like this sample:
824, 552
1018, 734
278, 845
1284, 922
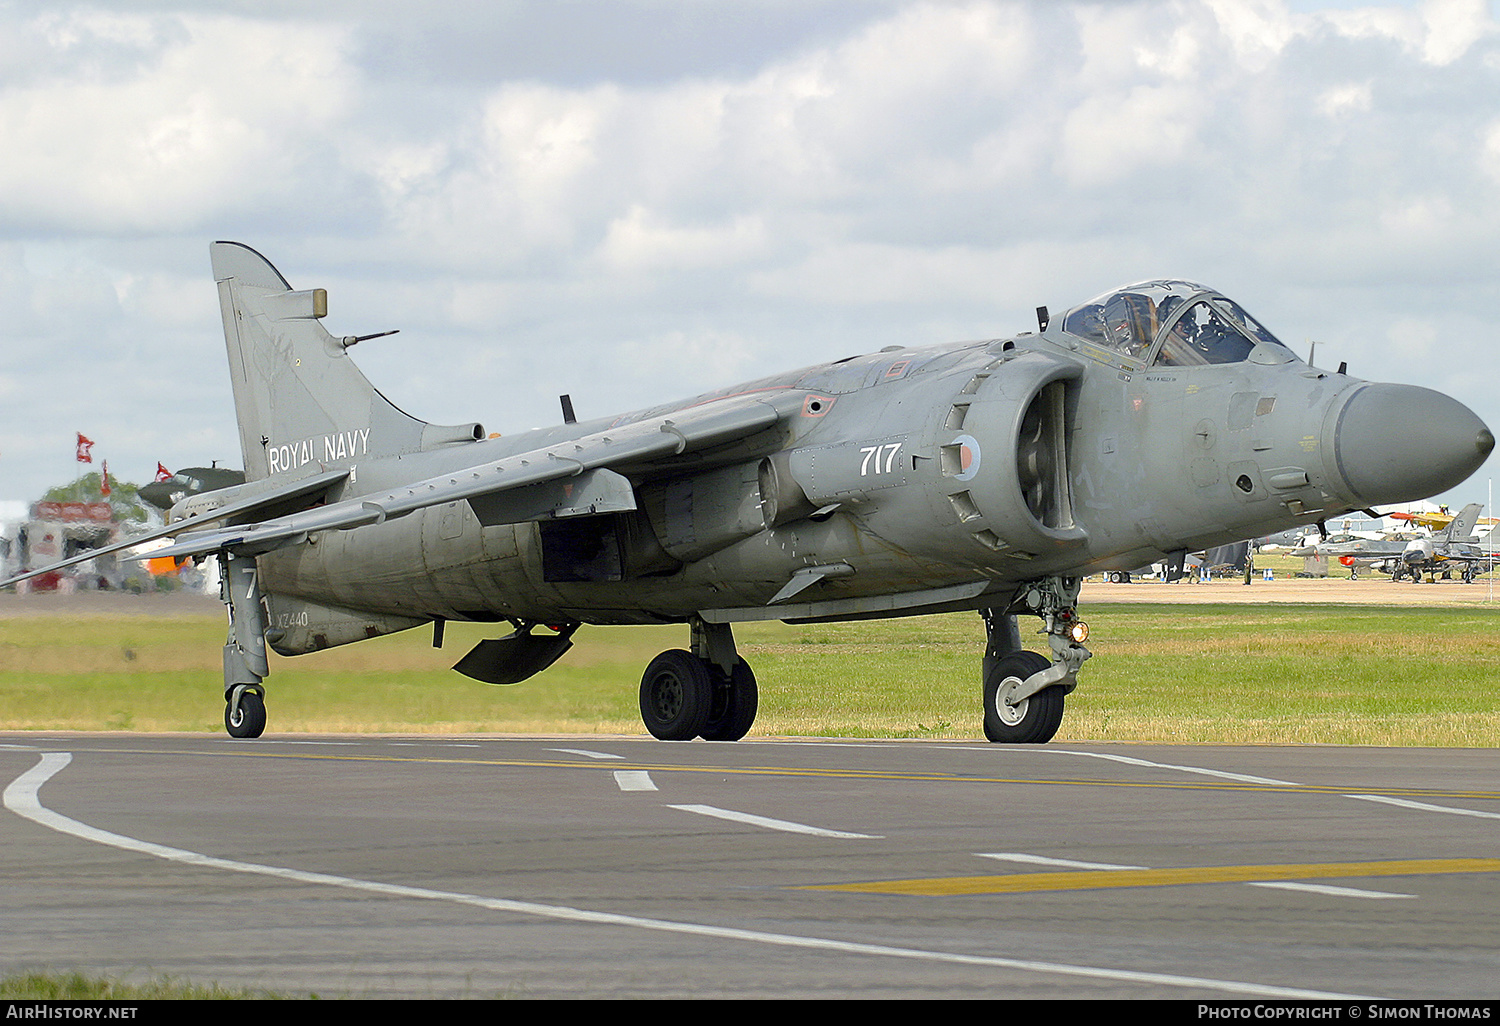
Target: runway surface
621, 867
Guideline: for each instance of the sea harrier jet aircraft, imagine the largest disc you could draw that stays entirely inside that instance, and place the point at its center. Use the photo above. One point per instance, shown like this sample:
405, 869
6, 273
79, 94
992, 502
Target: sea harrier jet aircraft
1154, 420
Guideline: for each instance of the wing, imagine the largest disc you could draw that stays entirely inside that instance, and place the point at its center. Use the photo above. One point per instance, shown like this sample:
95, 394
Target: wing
523, 486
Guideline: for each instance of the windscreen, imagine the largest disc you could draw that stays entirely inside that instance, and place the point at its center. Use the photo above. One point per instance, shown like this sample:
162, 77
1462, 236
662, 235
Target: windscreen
1187, 324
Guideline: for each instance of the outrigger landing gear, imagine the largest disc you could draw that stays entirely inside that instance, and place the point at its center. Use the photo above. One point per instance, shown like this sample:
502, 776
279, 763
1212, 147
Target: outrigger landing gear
1024, 691
245, 663
709, 692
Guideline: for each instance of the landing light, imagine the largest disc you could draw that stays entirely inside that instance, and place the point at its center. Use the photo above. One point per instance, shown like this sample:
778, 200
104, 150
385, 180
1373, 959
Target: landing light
1079, 632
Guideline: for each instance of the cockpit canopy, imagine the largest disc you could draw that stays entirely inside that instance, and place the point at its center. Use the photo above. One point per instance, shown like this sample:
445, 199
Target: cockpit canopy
1169, 323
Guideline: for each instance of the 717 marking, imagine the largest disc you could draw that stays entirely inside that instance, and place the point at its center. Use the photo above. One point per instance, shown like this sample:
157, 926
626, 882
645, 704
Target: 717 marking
871, 463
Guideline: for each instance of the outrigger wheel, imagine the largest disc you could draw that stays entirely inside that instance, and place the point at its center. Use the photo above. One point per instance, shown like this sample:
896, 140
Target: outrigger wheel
245, 712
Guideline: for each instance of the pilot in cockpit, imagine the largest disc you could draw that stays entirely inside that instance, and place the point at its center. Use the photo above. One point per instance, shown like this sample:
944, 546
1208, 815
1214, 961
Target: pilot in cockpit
1130, 323
1202, 336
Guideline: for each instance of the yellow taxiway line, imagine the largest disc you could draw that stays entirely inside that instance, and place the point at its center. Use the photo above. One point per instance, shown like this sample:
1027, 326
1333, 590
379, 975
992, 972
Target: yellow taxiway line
1019, 883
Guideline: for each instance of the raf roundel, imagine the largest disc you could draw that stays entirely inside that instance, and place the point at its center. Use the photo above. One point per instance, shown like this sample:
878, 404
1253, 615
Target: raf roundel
968, 457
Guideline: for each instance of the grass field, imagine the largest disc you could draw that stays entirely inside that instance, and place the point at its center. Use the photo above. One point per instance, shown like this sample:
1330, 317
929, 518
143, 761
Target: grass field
79, 987
1272, 674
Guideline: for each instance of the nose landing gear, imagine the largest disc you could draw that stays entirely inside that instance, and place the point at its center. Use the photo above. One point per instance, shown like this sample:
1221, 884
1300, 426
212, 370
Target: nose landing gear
1024, 691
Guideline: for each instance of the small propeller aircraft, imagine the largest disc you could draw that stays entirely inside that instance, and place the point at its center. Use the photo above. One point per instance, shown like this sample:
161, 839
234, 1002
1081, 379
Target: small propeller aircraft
993, 475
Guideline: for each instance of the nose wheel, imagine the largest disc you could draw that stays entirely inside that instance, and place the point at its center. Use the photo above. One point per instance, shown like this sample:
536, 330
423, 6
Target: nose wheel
1031, 720
1024, 691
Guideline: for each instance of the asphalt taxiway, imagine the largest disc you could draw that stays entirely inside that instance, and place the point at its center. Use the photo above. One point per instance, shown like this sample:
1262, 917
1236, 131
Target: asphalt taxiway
612, 866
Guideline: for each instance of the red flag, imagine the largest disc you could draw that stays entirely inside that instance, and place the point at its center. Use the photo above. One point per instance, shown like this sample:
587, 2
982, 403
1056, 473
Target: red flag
84, 445
104, 480
162, 473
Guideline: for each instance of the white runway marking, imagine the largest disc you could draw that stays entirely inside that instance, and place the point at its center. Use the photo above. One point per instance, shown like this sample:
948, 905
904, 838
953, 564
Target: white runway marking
21, 797
1328, 889
1423, 806
1042, 860
768, 823
585, 753
634, 780
1337, 892
429, 744
288, 741
1243, 778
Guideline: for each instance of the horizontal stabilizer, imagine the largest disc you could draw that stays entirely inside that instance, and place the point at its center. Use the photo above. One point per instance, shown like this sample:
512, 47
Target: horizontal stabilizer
246, 500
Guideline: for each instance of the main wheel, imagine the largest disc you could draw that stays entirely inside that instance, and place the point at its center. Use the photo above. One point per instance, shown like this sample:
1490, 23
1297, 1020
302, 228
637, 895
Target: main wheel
676, 696
1031, 721
248, 718
735, 700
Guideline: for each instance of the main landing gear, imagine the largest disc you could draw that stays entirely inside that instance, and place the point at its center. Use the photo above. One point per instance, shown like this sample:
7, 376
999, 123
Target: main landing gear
708, 692
1024, 691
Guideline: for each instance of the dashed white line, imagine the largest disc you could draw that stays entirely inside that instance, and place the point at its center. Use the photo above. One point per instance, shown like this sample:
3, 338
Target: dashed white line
768, 823
1043, 860
288, 741
1330, 889
634, 780
585, 753
429, 744
1243, 778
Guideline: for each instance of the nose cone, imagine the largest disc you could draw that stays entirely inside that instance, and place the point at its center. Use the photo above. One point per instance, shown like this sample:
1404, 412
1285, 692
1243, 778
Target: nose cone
1417, 552
1395, 443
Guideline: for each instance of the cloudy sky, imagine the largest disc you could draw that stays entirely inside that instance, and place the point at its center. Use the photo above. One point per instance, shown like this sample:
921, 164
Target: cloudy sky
637, 200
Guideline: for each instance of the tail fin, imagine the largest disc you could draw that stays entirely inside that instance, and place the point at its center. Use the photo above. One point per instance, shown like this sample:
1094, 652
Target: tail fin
1462, 527
299, 398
